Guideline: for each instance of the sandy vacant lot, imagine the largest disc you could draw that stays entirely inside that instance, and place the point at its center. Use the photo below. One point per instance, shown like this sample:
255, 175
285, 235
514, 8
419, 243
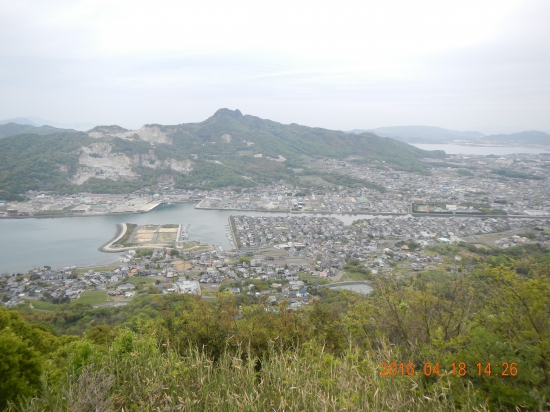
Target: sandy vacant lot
181, 265
166, 237
142, 238
168, 230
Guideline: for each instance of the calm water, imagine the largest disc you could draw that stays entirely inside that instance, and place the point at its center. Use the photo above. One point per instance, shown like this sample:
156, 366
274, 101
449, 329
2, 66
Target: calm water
60, 242
480, 150
360, 288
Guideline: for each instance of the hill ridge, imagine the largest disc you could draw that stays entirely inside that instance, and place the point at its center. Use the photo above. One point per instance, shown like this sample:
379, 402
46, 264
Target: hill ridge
226, 149
434, 134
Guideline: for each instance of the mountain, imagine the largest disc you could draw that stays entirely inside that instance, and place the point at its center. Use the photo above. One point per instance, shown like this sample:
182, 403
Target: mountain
73, 126
422, 134
12, 129
227, 149
430, 134
19, 120
37, 122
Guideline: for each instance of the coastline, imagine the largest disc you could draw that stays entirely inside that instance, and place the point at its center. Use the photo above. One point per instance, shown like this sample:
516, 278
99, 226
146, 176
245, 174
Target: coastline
122, 228
302, 211
137, 212
478, 215
233, 233
494, 144
289, 211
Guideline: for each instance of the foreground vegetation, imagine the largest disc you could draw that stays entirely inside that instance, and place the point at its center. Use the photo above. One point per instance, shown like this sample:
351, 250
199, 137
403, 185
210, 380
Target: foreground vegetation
238, 353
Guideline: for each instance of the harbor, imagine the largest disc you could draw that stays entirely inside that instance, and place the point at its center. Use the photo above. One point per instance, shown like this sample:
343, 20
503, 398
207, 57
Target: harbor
65, 242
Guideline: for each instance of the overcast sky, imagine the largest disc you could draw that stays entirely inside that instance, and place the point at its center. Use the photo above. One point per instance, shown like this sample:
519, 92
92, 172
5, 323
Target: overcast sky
465, 65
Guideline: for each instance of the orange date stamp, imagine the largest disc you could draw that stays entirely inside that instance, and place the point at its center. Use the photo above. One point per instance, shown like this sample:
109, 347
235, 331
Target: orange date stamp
505, 369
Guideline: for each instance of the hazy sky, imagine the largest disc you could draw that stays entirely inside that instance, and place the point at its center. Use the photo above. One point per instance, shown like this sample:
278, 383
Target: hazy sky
465, 65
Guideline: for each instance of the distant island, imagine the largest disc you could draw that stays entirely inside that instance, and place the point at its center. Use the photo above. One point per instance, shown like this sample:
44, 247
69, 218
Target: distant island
431, 134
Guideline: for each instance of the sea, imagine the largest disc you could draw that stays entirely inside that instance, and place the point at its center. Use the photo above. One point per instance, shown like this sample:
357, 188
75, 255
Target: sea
74, 241
481, 150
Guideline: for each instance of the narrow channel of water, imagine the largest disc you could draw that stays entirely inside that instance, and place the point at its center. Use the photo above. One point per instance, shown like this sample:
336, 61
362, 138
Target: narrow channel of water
480, 150
60, 242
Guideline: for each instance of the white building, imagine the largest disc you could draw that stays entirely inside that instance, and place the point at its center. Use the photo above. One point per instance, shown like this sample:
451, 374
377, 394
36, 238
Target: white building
187, 286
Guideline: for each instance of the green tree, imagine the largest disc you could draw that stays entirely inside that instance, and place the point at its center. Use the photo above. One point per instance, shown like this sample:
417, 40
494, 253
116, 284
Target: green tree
20, 368
512, 325
100, 335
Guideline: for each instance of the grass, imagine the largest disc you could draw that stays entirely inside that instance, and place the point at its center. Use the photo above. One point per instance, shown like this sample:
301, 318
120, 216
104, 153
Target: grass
41, 305
166, 238
315, 181
349, 276
202, 248
51, 213
136, 280
130, 228
136, 374
189, 245
435, 275
444, 250
97, 269
92, 297
312, 279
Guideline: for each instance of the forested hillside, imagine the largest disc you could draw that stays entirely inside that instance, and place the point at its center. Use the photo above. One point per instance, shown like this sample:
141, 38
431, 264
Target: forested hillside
12, 129
228, 149
476, 339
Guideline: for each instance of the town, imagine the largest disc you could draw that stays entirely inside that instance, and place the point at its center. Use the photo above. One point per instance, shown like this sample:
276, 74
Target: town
279, 258
460, 184
403, 219
513, 185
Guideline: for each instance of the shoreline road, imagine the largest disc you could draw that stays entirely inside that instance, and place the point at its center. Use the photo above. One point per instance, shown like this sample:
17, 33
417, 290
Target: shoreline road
121, 231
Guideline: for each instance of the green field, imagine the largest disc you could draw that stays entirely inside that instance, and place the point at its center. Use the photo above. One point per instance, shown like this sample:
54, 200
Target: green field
166, 237
97, 269
92, 297
349, 275
312, 279
314, 180
136, 280
41, 305
188, 245
130, 228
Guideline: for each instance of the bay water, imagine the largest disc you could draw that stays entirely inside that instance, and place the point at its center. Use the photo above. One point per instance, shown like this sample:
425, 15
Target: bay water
74, 241
480, 150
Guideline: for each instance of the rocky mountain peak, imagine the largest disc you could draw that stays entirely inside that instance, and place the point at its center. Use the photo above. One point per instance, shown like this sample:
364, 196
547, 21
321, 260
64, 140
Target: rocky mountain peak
236, 114
108, 130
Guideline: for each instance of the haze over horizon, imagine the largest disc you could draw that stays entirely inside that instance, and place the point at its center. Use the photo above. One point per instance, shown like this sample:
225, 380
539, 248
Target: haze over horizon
461, 65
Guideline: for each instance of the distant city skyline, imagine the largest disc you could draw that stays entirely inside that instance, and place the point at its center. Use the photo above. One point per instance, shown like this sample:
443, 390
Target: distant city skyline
461, 65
